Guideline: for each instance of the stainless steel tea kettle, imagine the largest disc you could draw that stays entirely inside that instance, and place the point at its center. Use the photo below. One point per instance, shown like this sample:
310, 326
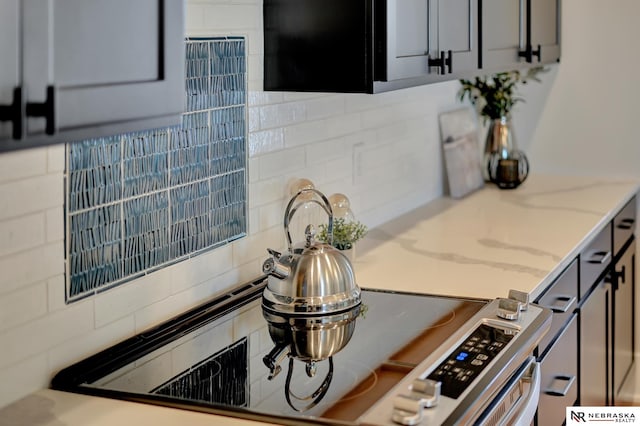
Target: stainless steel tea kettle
310, 277
311, 303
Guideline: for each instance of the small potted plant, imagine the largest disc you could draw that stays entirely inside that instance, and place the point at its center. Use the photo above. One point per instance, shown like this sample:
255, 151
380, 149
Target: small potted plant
345, 234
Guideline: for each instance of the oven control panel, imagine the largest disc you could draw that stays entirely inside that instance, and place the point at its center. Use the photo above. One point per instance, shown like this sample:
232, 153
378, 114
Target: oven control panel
469, 359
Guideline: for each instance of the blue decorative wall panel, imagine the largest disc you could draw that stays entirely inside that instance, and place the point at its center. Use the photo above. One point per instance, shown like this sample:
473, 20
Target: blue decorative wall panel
141, 201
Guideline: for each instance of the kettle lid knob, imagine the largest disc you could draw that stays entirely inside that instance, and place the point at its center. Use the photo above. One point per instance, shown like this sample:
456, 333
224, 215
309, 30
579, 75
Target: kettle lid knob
310, 234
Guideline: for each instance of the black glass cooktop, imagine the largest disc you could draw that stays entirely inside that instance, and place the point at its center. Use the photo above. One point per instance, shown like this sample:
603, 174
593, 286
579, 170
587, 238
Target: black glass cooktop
212, 357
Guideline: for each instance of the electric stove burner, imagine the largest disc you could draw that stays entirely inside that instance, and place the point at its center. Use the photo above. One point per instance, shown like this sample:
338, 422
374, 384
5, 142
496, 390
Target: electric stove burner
210, 358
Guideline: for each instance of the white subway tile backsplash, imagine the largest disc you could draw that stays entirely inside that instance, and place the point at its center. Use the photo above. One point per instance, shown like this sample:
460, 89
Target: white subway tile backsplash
38, 336
254, 246
280, 115
270, 215
31, 266
30, 195
54, 224
131, 297
23, 378
90, 343
258, 98
21, 234
56, 297
331, 149
281, 162
200, 268
158, 312
17, 165
55, 158
23, 305
266, 191
232, 17
325, 107
265, 141
304, 133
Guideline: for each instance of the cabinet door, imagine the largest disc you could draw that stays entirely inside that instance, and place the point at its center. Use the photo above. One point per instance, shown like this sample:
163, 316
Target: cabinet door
594, 344
623, 312
109, 62
559, 371
503, 33
410, 35
10, 54
457, 32
545, 29
422, 32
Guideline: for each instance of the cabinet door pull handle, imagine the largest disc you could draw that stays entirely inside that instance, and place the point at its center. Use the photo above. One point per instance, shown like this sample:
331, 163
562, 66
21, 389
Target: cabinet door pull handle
443, 62
600, 257
563, 391
13, 113
537, 53
529, 53
626, 224
449, 61
569, 302
621, 275
44, 109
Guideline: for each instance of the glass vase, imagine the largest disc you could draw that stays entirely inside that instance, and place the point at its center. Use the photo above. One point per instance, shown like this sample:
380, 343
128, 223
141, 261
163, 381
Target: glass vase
503, 163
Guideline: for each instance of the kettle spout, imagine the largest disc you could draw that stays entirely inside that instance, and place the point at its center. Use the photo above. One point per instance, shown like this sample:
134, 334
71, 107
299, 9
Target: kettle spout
273, 359
273, 267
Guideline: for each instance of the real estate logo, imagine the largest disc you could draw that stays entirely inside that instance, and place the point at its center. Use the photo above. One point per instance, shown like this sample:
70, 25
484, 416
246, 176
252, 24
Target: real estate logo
599, 415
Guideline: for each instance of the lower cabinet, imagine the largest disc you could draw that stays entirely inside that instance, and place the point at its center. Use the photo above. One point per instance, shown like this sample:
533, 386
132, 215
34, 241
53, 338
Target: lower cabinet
595, 320
589, 350
622, 318
559, 377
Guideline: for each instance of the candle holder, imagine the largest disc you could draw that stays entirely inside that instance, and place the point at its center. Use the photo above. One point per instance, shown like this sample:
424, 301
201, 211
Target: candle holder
508, 171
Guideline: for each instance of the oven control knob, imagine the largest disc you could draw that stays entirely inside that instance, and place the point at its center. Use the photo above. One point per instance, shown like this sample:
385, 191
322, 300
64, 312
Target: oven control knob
508, 309
520, 297
407, 409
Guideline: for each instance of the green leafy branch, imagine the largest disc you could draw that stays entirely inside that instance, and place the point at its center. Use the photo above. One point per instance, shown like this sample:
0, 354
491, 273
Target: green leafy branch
345, 234
494, 96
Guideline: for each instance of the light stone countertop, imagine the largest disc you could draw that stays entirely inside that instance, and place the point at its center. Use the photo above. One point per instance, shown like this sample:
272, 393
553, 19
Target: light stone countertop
492, 240
480, 246
53, 408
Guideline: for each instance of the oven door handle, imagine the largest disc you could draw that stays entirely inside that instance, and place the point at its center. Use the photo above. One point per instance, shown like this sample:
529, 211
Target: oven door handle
510, 409
529, 406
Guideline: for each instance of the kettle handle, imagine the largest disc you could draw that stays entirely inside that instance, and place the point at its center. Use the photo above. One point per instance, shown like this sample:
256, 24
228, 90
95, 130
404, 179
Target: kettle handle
316, 396
290, 211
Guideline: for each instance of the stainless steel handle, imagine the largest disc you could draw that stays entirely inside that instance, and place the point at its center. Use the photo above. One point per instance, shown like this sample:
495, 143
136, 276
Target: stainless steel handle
518, 402
530, 404
569, 301
599, 257
290, 211
563, 391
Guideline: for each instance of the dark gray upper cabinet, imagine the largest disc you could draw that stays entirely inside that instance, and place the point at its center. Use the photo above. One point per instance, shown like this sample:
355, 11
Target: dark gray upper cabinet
377, 45
367, 45
517, 33
421, 40
89, 68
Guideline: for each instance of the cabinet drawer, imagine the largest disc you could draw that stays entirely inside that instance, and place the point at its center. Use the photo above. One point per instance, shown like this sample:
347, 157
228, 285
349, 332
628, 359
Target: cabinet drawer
624, 224
594, 260
559, 373
562, 299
